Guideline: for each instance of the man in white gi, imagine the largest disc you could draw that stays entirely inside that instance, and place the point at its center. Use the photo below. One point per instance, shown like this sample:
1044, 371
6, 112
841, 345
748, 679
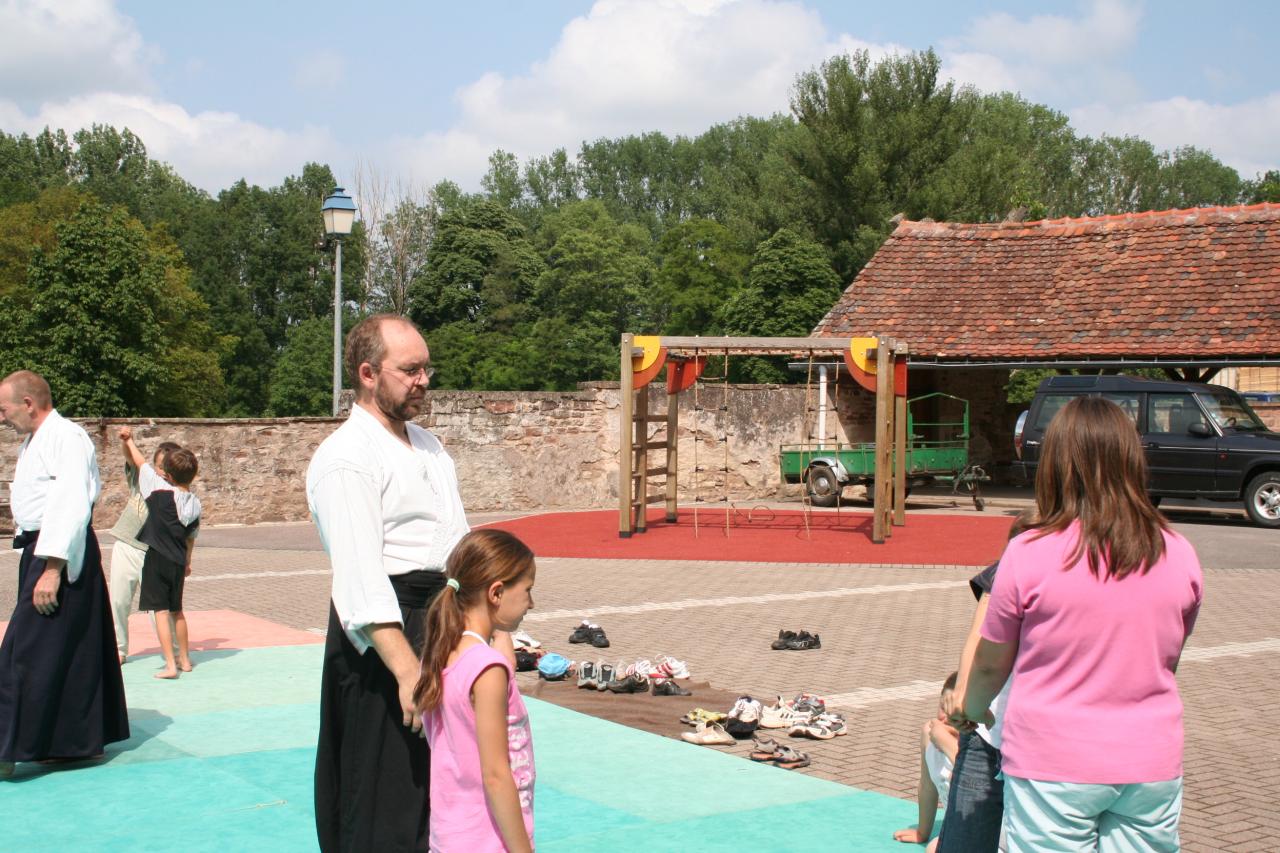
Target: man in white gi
384, 495
61, 694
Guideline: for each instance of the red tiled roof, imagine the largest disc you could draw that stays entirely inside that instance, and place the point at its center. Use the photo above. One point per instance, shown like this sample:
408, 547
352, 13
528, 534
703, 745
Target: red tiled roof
1200, 282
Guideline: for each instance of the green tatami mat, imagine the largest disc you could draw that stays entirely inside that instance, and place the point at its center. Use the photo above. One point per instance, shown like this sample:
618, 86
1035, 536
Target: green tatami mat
605, 786
222, 759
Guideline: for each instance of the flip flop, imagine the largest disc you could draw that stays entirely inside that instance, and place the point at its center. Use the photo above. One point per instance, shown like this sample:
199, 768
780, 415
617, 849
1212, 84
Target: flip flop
708, 734
790, 759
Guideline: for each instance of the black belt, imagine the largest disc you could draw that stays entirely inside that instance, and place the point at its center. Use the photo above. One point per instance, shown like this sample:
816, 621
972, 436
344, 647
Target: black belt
25, 538
416, 589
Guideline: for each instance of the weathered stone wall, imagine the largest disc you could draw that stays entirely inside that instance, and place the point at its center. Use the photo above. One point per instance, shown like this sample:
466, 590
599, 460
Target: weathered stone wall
525, 450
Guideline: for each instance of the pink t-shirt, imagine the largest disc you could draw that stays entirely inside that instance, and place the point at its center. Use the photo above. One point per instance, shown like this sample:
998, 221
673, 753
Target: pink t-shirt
1093, 696
460, 818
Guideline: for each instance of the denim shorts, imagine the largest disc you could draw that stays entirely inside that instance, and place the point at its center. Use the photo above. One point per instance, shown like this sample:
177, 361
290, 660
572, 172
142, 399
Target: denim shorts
975, 805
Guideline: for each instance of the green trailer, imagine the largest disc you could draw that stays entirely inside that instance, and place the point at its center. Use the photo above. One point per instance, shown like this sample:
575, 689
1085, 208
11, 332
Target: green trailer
937, 452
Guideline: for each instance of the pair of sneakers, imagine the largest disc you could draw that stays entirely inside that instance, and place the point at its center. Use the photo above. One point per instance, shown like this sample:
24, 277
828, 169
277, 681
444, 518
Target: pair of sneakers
820, 727
796, 641
783, 713
615, 679
589, 632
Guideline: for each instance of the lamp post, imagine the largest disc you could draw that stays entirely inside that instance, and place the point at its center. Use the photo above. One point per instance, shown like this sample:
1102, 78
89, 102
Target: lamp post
339, 215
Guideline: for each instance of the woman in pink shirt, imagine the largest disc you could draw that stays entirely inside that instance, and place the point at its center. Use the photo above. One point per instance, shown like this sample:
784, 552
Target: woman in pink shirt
1089, 613
481, 747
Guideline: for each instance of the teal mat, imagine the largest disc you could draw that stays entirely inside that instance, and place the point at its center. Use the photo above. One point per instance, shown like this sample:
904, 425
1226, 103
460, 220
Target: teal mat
222, 760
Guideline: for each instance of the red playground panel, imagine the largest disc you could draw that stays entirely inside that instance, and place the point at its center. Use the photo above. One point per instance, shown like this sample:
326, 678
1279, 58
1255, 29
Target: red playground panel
763, 535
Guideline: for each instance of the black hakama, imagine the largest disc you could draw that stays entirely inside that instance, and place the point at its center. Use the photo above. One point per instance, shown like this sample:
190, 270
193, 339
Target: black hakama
61, 693
373, 774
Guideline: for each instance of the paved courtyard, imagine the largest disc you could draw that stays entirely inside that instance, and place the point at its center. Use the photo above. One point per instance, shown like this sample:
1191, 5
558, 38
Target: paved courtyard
890, 636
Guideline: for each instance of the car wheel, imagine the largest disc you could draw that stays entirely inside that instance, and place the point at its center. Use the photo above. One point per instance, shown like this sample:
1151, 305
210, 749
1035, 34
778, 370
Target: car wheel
824, 487
1262, 499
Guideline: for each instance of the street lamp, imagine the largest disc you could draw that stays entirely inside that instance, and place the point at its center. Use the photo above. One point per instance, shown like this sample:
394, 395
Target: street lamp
339, 215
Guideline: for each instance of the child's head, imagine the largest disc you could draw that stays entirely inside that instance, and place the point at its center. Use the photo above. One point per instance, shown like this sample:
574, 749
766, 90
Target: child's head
165, 448
490, 572
948, 687
181, 466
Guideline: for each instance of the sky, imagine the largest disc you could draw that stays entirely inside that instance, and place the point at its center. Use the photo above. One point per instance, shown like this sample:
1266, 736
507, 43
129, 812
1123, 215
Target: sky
425, 90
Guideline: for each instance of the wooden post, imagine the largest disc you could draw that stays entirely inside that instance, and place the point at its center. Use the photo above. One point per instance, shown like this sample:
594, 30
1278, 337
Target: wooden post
901, 444
641, 446
673, 447
881, 511
626, 456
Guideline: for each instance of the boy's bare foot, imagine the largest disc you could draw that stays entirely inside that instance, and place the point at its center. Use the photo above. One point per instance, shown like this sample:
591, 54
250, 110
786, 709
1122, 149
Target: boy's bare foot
186, 665
167, 673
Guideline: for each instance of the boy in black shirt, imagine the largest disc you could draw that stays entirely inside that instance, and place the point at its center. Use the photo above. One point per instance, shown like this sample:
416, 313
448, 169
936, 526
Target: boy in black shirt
173, 519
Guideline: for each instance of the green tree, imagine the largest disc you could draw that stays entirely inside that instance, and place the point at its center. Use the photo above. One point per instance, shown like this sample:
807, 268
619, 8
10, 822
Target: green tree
701, 266
1264, 188
113, 322
870, 138
302, 380
1190, 177
790, 286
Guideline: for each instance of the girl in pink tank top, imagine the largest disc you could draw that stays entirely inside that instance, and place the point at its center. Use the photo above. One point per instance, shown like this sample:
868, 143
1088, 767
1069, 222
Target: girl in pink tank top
474, 719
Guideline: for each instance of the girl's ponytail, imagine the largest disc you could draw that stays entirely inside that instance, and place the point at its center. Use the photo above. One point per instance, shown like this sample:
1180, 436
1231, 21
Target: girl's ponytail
445, 624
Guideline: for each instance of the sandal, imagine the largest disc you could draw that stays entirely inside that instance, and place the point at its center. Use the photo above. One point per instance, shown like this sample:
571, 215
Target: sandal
790, 759
702, 715
815, 730
767, 749
708, 734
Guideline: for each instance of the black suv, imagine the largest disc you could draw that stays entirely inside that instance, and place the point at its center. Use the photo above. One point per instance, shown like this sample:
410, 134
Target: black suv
1202, 441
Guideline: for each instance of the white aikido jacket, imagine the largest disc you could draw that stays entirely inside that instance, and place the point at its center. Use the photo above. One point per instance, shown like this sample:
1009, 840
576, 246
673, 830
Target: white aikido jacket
55, 485
382, 508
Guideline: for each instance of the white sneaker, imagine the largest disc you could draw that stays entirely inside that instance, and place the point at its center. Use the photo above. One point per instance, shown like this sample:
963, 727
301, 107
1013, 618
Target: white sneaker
522, 640
670, 667
780, 715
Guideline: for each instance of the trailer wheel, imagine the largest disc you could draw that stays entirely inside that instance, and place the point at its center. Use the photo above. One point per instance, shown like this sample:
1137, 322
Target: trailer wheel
823, 485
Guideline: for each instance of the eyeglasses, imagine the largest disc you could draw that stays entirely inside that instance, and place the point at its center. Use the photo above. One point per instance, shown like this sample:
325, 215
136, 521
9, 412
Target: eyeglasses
422, 373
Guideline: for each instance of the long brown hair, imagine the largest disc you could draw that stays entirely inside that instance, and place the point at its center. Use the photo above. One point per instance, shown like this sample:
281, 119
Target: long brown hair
1092, 470
479, 560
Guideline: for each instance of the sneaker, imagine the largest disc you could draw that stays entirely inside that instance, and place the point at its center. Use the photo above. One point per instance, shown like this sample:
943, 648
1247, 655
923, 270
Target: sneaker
522, 640
814, 730
808, 702
744, 718
783, 638
835, 722
526, 660
669, 667
588, 675
803, 641
780, 715
597, 638
634, 683
582, 634
667, 687
643, 667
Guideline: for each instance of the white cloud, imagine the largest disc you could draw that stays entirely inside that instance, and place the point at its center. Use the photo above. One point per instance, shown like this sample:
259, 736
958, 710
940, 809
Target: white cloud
210, 149
52, 49
1241, 135
626, 67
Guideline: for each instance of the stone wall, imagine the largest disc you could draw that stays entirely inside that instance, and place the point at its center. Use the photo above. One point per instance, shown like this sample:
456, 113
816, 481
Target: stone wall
526, 450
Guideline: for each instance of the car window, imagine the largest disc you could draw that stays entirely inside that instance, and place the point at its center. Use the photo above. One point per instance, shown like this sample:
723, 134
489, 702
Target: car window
1229, 412
1171, 414
1050, 404
1127, 401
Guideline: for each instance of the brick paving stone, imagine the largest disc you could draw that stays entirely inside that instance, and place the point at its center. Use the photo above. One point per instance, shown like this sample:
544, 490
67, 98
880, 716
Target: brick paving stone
872, 641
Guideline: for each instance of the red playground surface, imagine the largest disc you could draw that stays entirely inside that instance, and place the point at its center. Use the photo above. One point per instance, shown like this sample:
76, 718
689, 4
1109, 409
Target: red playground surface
766, 536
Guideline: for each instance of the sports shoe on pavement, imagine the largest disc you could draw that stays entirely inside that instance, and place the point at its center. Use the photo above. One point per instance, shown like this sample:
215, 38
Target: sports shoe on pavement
634, 683
803, 641
588, 675
521, 639
780, 715
783, 637
582, 634
597, 638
